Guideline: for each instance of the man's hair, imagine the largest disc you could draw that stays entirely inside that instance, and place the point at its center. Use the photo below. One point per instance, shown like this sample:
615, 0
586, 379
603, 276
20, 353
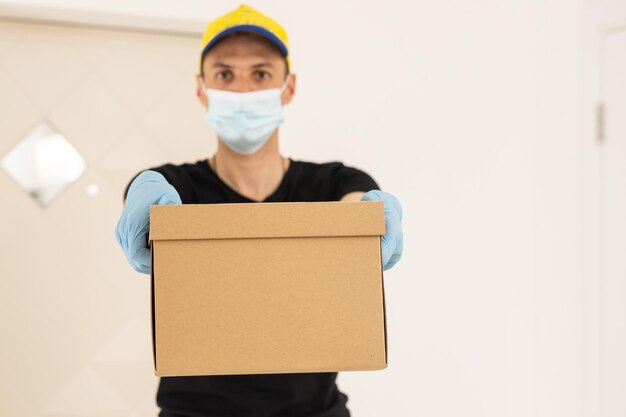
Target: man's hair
267, 42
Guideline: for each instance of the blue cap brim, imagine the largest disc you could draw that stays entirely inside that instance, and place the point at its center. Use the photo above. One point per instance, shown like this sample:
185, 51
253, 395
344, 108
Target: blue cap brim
247, 28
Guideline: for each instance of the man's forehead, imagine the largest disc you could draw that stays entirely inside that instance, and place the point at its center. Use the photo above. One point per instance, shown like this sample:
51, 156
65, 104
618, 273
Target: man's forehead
249, 55
244, 44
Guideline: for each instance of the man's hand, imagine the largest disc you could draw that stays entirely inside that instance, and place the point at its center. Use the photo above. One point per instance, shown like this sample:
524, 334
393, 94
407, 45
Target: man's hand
392, 242
131, 232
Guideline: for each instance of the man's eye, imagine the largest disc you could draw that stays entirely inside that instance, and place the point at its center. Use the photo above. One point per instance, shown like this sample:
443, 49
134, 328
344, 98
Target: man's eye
223, 74
263, 74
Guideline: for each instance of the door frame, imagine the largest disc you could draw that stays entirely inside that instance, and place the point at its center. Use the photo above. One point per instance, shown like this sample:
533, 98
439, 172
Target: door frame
102, 19
595, 99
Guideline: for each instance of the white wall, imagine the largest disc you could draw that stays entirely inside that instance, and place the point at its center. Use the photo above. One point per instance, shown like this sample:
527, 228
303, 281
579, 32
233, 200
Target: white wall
479, 117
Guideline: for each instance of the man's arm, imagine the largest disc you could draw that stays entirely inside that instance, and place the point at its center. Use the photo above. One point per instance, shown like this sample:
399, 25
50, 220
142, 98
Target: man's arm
353, 196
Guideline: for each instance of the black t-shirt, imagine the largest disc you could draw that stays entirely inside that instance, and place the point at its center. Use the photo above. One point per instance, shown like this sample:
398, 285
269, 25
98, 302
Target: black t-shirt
265, 395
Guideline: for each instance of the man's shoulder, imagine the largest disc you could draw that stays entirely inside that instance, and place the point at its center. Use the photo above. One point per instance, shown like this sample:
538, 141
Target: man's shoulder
180, 167
334, 179
318, 165
332, 166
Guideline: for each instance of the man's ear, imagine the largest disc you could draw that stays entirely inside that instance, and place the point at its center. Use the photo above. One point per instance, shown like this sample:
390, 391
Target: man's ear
289, 91
202, 98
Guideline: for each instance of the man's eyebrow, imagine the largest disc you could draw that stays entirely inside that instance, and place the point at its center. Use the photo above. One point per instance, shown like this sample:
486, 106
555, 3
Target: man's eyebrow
259, 65
221, 64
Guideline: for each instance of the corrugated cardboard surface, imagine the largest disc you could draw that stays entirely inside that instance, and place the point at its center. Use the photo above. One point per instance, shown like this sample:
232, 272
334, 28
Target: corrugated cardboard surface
267, 288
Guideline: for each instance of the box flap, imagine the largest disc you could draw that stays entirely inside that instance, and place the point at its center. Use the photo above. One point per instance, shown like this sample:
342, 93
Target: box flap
382, 287
266, 220
152, 306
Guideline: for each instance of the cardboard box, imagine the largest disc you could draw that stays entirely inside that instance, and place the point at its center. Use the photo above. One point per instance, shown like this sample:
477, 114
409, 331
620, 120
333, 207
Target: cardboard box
257, 288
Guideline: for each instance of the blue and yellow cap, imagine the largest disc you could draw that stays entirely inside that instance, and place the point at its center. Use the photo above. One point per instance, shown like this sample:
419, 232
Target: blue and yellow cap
245, 19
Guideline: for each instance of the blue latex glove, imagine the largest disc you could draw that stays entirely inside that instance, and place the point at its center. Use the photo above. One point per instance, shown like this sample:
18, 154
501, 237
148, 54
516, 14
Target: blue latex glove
392, 241
131, 232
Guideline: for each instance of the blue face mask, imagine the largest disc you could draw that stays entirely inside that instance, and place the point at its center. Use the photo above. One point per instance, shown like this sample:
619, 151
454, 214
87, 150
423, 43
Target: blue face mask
244, 121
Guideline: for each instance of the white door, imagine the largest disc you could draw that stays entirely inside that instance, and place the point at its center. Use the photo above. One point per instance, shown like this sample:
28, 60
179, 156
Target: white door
613, 242
74, 316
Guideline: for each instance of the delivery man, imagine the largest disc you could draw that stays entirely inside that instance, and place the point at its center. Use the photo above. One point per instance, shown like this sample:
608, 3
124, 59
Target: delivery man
244, 80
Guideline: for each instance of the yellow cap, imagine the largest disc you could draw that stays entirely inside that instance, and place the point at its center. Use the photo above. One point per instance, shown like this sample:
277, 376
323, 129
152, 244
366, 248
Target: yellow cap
245, 19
